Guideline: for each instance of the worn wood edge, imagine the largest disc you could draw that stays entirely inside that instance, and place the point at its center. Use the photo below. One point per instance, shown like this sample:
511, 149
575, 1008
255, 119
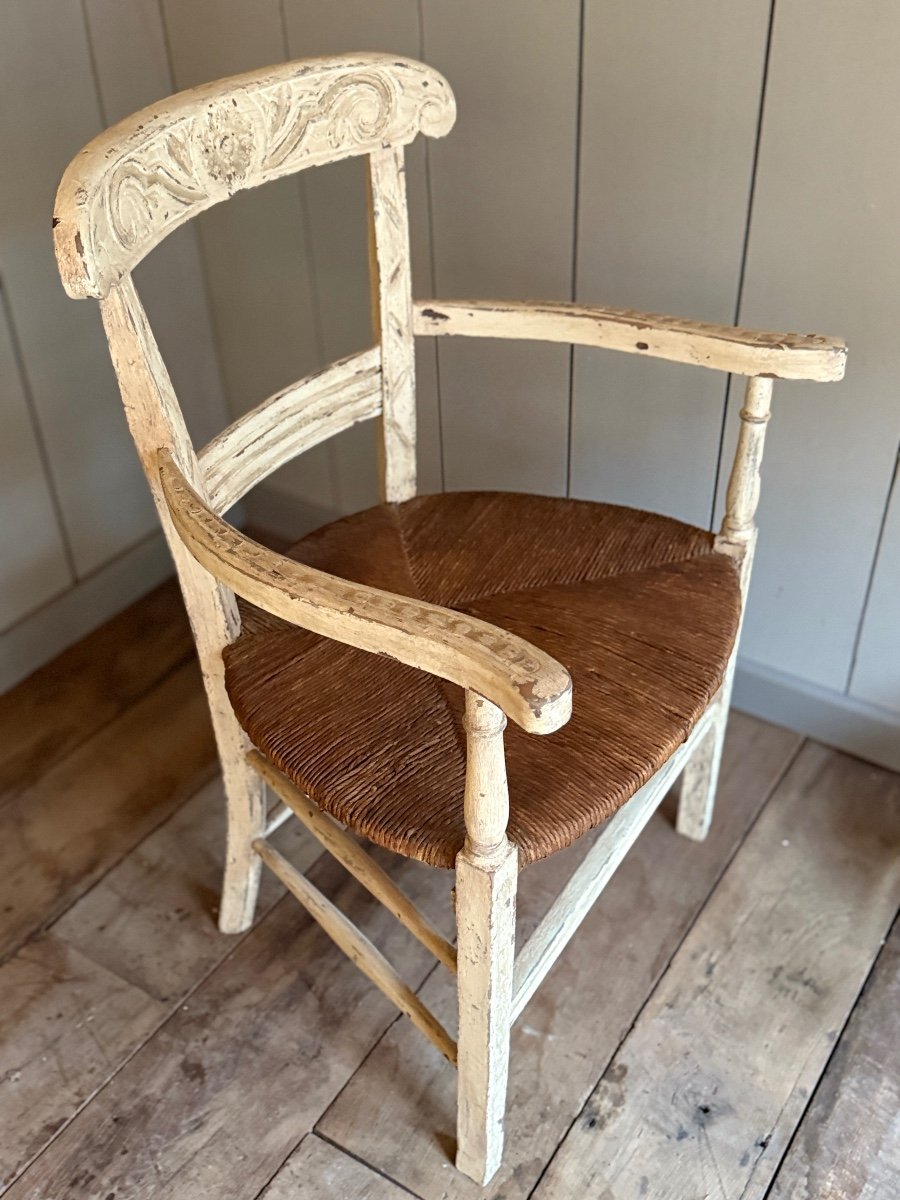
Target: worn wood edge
288, 423
361, 952
532, 688
720, 347
201, 146
565, 915
354, 859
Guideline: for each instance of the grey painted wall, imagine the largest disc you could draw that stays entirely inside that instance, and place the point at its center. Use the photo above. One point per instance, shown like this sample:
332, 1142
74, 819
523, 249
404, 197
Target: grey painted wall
722, 162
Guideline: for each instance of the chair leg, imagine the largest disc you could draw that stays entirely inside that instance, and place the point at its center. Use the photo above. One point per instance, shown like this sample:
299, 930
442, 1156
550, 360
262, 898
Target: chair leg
486, 930
245, 795
700, 779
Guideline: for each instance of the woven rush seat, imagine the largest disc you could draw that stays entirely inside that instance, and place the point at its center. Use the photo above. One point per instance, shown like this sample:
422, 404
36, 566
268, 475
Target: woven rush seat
638, 607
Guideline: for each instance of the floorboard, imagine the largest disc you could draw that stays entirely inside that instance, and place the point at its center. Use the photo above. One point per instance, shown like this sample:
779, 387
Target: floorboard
88, 810
703, 1096
65, 1022
703, 1034
152, 918
215, 1102
398, 1112
319, 1171
65, 702
848, 1143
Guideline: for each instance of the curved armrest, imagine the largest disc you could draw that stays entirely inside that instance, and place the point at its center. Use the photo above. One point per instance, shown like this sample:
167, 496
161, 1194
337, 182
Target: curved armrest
722, 347
527, 684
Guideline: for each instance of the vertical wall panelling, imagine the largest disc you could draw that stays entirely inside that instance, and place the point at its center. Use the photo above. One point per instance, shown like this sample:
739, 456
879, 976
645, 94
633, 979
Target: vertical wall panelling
255, 246
48, 110
338, 232
129, 52
31, 547
876, 674
669, 117
824, 254
503, 202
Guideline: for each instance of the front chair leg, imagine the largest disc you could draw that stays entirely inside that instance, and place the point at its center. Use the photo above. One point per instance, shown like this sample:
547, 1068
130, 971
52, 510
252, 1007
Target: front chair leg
486, 873
486, 930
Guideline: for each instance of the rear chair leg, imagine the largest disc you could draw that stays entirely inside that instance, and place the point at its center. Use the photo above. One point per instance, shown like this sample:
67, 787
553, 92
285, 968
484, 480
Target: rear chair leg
700, 778
245, 795
486, 929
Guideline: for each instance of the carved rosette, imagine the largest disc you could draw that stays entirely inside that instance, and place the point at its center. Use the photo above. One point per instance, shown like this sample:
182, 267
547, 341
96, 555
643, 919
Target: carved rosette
241, 133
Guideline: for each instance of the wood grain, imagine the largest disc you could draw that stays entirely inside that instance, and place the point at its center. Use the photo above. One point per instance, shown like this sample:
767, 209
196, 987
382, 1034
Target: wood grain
649, 335
65, 1024
151, 919
847, 1146
319, 1171
216, 1101
63, 703
702, 1097
398, 1112
78, 819
530, 686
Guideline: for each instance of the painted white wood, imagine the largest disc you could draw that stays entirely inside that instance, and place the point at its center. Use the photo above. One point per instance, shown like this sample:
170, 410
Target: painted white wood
155, 420
129, 53
503, 200
335, 199
876, 675
361, 952
351, 855
32, 551
823, 248
574, 902
392, 304
289, 423
255, 249
48, 109
643, 334
530, 686
668, 126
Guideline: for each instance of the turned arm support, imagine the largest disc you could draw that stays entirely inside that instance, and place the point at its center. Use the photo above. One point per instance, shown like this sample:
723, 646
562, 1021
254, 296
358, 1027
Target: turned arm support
722, 347
532, 688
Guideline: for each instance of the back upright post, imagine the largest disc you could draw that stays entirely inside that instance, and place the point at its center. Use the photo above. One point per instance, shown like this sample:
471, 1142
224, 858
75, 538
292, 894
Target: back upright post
392, 318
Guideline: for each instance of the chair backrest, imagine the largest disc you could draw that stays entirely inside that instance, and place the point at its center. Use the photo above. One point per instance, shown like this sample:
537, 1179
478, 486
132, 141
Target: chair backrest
149, 174
152, 172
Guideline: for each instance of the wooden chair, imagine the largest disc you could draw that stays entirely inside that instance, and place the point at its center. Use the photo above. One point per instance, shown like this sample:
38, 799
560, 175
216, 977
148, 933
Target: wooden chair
369, 677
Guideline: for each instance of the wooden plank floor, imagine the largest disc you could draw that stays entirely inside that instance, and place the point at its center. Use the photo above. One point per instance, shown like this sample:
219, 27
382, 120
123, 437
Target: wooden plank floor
724, 1025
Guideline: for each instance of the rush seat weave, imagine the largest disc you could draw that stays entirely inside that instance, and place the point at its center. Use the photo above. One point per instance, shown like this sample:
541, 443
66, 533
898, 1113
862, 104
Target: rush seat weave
637, 606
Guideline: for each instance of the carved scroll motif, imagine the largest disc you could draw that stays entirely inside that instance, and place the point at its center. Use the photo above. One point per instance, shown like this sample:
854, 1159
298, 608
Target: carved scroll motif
133, 185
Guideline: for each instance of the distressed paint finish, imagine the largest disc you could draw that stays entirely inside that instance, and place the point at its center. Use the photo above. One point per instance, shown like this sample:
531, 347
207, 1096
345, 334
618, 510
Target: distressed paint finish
145, 178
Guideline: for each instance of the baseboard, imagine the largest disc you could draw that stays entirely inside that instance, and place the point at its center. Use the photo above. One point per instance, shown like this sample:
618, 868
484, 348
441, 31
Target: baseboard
861, 729
39, 637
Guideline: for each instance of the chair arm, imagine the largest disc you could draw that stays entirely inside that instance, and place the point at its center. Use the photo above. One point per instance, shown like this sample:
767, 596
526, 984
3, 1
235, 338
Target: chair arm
722, 347
532, 688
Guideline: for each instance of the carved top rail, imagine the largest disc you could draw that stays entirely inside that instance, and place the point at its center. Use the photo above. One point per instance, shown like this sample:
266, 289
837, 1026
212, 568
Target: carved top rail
135, 183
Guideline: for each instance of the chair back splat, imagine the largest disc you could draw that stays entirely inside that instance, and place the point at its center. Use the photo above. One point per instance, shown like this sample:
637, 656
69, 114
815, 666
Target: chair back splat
336, 693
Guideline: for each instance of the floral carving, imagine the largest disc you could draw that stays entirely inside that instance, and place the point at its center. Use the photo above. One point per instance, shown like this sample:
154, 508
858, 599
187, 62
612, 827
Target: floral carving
139, 181
225, 141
